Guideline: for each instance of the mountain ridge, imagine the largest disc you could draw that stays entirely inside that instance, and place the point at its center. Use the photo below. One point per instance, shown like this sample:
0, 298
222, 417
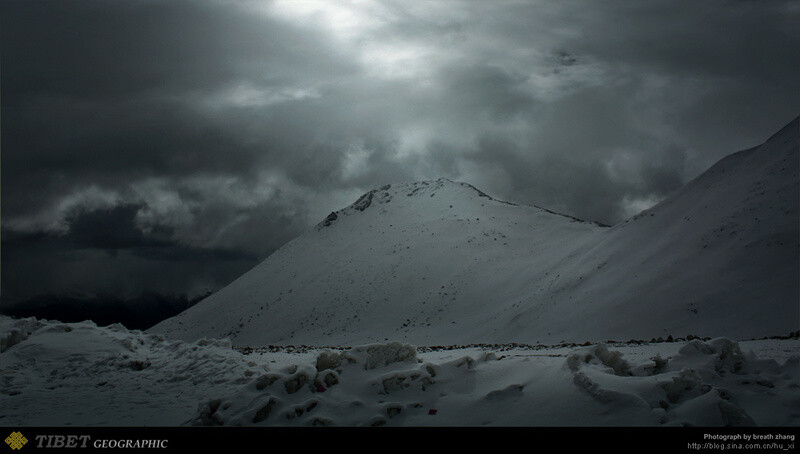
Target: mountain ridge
365, 200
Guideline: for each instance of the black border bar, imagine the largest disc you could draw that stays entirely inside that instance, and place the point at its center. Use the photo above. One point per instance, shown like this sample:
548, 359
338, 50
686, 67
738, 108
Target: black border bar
377, 439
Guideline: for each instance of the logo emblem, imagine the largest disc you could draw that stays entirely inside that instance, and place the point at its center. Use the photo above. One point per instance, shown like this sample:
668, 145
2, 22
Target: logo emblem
16, 440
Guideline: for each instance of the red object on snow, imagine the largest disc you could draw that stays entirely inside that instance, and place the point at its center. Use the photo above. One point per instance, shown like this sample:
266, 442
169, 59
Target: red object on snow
432, 412
320, 388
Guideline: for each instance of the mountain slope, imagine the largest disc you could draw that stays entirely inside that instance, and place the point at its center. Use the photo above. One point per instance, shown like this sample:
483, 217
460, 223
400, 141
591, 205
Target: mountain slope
439, 262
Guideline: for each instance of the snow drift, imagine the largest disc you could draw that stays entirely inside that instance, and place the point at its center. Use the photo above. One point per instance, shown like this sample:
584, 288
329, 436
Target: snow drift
59, 374
709, 383
56, 373
439, 262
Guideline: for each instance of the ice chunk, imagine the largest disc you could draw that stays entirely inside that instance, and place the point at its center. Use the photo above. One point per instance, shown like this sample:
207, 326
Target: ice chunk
370, 356
599, 354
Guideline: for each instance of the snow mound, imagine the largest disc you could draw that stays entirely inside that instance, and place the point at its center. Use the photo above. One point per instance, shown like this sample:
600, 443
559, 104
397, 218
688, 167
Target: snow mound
705, 384
364, 386
371, 356
108, 375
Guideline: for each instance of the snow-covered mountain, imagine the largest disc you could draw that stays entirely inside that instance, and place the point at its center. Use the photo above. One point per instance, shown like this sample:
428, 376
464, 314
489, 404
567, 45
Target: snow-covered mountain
439, 262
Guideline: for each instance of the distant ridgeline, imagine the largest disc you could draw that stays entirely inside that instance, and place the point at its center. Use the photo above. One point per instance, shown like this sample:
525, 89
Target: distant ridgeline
140, 312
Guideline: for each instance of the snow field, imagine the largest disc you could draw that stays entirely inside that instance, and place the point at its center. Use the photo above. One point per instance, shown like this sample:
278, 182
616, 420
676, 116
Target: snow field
79, 374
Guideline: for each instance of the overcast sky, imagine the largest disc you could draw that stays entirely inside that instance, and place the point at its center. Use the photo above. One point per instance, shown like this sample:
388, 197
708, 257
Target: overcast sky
169, 145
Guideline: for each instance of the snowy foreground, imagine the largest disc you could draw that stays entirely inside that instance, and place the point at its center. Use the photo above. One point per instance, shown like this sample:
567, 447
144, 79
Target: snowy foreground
60, 374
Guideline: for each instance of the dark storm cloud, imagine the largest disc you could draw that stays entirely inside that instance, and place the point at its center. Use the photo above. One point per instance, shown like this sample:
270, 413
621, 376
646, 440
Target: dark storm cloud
96, 50
99, 91
104, 251
740, 39
734, 63
109, 229
144, 133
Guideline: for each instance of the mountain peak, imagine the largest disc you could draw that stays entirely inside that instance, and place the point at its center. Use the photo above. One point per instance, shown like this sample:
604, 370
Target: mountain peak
445, 190
403, 191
